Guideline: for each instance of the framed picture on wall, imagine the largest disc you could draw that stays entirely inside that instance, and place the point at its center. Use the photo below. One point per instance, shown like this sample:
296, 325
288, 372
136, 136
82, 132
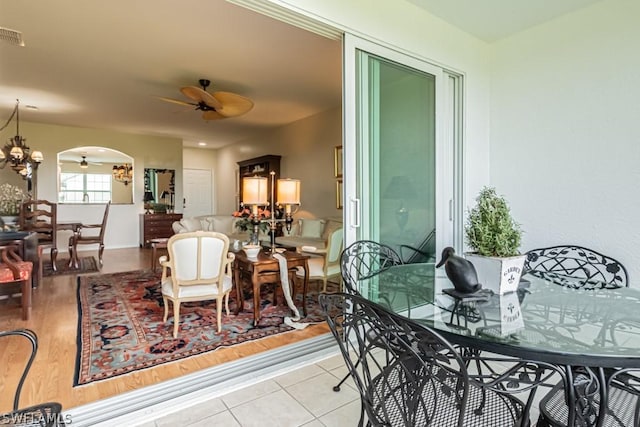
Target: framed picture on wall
337, 161
339, 194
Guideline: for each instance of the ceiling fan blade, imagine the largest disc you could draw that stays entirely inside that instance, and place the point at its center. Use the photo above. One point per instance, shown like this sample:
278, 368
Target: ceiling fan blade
177, 101
233, 104
212, 115
200, 95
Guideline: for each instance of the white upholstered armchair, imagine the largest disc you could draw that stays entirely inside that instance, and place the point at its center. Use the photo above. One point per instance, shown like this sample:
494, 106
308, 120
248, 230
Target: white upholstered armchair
200, 265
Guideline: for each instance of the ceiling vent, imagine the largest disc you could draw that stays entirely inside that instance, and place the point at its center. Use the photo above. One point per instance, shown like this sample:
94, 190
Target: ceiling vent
11, 36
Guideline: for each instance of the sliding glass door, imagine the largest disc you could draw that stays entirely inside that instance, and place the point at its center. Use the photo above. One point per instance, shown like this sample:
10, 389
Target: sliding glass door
400, 190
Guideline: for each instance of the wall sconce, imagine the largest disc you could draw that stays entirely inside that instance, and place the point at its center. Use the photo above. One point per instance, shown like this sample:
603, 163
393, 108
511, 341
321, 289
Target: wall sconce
123, 173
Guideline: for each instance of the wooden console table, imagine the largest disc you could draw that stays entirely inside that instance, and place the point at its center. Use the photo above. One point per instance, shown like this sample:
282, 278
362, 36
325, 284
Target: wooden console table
156, 226
266, 269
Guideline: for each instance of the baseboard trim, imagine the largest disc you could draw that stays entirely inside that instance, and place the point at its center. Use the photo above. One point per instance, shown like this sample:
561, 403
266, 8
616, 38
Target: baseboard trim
140, 406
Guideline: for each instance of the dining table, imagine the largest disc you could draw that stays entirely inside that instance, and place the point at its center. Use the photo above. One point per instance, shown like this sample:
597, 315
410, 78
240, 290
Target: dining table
544, 327
74, 226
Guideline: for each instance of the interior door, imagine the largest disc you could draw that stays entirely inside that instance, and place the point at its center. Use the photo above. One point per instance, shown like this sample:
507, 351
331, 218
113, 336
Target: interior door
399, 193
197, 192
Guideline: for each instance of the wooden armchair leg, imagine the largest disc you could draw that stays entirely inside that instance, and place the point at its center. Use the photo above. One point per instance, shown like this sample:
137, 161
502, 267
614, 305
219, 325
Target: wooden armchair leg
26, 299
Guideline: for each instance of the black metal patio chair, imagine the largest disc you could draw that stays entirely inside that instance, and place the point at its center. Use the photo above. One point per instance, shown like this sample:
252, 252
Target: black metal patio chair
45, 414
576, 267
360, 261
409, 375
363, 260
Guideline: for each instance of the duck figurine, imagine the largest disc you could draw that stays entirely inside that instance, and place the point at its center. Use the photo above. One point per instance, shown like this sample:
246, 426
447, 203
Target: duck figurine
460, 271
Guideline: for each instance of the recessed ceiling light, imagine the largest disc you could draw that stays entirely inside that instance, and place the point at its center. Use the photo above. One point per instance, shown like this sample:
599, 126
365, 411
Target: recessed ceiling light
202, 144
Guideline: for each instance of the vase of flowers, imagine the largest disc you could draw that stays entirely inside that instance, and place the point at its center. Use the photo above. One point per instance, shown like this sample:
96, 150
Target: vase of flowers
11, 198
246, 223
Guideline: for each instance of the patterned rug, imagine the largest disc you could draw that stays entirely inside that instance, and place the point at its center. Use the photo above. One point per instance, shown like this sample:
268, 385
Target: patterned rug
120, 328
86, 265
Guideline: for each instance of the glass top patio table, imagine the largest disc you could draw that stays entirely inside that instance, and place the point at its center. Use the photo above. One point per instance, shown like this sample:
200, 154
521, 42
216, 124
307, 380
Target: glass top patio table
542, 321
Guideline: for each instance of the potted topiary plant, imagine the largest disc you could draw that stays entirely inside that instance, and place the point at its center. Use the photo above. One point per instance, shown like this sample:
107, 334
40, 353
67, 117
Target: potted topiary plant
495, 239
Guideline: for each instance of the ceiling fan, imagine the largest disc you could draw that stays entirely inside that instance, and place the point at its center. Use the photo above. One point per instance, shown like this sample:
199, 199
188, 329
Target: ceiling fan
85, 164
214, 105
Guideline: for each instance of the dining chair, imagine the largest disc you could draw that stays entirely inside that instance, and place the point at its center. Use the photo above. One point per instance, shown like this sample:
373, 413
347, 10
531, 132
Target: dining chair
409, 375
425, 253
327, 265
364, 259
200, 265
578, 267
564, 264
360, 261
45, 414
94, 237
40, 216
16, 272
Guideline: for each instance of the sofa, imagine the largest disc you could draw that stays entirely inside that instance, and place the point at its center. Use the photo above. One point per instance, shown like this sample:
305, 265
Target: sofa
224, 224
312, 233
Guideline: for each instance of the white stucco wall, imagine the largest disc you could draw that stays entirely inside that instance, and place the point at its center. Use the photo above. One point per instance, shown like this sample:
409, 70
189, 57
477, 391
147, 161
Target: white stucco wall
147, 151
403, 26
307, 150
564, 132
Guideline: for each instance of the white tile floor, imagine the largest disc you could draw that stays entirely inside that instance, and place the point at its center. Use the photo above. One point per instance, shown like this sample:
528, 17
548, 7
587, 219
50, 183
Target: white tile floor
303, 397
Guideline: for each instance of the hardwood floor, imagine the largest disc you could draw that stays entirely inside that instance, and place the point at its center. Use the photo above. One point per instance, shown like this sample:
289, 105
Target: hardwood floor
55, 321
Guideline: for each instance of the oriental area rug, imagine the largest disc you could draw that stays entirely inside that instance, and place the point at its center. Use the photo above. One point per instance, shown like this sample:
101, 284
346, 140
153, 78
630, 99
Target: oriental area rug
120, 327
85, 265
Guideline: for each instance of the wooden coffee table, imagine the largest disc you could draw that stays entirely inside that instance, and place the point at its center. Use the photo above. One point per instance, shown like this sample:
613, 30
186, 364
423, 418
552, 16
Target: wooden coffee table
265, 269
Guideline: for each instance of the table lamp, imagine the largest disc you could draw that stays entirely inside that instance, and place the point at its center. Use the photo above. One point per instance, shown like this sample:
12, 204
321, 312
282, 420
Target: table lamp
254, 194
289, 195
148, 198
400, 188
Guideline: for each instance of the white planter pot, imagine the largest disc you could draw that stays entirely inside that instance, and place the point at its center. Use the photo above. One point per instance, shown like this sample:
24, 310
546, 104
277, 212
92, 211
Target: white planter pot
501, 275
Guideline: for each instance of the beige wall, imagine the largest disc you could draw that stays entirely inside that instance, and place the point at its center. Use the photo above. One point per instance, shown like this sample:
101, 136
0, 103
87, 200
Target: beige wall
307, 150
147, 151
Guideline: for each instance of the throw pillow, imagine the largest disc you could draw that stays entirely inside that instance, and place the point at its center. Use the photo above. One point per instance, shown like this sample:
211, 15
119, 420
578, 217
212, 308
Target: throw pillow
312, 227
191, 224
222, 224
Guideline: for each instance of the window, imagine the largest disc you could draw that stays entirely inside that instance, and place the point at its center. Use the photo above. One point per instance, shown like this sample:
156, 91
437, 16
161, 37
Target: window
85, 188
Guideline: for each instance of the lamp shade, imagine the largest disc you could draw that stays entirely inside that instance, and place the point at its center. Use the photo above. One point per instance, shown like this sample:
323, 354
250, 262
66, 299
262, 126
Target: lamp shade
288, 191
37, 156
148, 196
254, 190
400, 187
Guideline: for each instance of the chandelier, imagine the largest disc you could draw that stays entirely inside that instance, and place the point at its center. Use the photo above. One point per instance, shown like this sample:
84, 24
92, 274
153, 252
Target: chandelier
16, 153
123, 173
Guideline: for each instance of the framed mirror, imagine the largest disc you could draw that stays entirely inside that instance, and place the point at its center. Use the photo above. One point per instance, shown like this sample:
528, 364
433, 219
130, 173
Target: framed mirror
94, 175
159, 189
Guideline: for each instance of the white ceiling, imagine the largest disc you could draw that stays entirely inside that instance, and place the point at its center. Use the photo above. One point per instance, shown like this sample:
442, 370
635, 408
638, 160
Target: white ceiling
491, 20
102, 64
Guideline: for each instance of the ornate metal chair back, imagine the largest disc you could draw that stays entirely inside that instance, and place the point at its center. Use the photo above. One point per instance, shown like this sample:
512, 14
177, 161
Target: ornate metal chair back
565, 263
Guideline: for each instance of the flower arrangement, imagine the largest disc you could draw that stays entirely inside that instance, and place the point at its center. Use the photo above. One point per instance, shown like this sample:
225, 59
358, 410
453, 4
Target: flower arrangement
10, 199
244, 223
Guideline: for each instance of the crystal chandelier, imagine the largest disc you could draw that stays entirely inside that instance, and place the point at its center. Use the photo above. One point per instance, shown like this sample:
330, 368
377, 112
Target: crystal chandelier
123, 173
16, 153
